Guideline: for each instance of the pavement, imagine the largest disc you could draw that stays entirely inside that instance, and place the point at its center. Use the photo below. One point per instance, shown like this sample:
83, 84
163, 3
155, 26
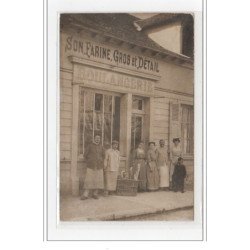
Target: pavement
123, 207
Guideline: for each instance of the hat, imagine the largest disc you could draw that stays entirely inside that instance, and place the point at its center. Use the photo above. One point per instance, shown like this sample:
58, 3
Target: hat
180, 158
151, 142
115, 142
176, 139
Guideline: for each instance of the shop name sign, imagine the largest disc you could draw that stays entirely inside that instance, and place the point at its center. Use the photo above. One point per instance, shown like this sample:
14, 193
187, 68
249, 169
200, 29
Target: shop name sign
112, 80
117, 57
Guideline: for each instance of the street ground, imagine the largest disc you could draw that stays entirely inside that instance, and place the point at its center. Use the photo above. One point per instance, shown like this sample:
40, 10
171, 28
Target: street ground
152, 205
172, 215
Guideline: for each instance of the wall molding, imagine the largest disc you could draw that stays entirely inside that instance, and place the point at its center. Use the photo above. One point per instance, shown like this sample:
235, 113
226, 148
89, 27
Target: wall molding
170, 91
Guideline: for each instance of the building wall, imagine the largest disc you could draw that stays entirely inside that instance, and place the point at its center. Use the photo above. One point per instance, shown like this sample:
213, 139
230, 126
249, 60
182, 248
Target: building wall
168, 36
175, 83
176, 78
65, 129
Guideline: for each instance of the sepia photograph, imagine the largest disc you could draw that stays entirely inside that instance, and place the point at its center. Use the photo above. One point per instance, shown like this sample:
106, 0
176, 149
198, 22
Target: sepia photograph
126, 117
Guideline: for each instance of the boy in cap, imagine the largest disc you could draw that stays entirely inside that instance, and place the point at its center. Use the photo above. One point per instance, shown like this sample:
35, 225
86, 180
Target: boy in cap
111, 167
179, 175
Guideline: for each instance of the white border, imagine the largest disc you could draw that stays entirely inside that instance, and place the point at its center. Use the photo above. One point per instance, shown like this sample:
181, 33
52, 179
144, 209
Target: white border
117, 230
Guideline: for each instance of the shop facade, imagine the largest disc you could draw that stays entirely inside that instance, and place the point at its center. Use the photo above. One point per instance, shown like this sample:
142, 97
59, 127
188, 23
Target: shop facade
122, 91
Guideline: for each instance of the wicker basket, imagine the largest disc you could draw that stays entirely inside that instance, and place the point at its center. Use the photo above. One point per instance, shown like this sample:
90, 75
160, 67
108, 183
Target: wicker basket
127, 187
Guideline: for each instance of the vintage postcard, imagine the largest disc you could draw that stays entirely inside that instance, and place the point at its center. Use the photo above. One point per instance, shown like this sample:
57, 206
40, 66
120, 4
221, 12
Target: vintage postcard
126, 116
129, 125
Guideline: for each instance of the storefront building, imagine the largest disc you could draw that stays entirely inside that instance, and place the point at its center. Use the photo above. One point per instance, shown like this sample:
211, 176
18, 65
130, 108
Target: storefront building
117, 82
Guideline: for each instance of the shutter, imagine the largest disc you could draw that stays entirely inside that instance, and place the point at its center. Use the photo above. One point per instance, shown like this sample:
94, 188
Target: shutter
174, 122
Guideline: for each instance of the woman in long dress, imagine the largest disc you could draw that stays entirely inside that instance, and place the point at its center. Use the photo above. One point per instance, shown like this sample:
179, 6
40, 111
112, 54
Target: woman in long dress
152, 170
162, 163
139, 167
175, 153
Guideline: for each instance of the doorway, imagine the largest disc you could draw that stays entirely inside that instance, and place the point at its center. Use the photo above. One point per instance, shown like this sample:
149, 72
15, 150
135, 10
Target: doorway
137, 121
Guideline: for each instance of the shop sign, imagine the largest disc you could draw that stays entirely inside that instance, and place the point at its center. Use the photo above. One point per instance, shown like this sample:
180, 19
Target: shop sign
92, 51
111, 80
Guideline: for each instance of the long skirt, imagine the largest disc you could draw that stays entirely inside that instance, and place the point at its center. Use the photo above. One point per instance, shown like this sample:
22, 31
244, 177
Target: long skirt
110, 180
94, 179
152, 176
140, 174
164, 176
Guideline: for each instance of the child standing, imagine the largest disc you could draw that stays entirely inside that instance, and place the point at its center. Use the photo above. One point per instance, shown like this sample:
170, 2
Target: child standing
179, 175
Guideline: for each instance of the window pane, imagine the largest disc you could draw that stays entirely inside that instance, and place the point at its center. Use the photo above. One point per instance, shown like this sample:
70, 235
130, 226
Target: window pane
81, 121
107, 104
137, 104
95, 117
107, 121
98, 102
98, 115
107, 131
89, 99
116, 119
98, 121
187, 129
88, 133
136, 131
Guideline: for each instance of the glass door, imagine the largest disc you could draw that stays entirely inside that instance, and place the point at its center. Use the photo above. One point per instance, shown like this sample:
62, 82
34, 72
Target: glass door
137, 121
136, 130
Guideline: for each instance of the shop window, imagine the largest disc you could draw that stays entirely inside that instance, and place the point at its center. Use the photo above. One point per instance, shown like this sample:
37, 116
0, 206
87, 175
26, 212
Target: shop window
98, 114
187, 129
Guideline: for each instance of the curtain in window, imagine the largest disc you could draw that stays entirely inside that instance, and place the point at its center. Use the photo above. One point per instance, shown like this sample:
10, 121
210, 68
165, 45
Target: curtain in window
187, 129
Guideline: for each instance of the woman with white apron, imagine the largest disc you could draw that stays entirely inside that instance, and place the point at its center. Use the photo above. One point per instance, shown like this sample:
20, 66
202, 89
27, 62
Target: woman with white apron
162, 160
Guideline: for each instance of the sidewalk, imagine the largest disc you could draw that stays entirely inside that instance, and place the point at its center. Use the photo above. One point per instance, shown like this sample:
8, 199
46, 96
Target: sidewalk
121, 207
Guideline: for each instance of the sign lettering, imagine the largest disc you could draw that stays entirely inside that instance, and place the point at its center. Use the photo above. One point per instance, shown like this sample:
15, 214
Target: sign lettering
116, 80
120, 58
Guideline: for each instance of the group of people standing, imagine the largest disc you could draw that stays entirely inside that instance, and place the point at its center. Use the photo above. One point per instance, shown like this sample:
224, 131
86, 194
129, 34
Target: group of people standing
154, 170
157, 169
102, 168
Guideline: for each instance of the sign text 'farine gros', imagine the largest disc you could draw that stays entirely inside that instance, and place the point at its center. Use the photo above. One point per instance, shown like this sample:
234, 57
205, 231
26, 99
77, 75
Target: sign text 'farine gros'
93, 51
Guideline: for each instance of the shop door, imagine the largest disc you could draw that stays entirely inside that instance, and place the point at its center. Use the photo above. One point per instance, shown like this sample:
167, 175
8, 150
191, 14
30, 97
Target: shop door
136, 130
137, 121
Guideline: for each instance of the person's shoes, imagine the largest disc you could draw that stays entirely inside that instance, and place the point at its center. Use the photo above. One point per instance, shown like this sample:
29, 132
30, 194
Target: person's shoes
95, 197
84, 197
183, 191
